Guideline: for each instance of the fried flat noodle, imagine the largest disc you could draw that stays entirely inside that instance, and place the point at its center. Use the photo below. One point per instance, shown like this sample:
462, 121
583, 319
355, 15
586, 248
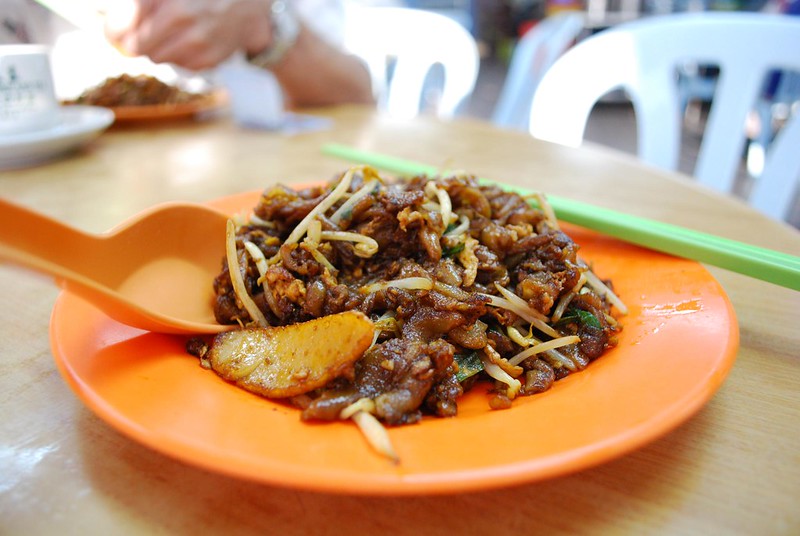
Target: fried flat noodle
453, 273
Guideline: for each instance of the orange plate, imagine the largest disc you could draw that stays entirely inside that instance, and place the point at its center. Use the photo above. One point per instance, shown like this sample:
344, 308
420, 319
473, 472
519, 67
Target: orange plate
679, 341
158, 112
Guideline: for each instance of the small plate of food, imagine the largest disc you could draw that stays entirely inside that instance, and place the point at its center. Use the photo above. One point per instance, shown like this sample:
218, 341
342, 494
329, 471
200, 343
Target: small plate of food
135, 98
505, 346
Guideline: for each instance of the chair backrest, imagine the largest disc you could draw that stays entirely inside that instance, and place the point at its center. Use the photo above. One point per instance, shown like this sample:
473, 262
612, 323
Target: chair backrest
400, 46
642, 58
535, 52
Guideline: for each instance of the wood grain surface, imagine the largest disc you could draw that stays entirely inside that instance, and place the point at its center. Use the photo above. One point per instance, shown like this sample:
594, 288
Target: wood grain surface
734, 468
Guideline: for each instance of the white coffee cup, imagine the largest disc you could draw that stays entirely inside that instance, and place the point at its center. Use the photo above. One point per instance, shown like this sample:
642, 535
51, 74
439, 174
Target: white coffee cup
27, 96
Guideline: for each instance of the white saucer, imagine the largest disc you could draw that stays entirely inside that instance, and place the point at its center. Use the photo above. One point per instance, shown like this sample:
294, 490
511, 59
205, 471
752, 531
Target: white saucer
77, 126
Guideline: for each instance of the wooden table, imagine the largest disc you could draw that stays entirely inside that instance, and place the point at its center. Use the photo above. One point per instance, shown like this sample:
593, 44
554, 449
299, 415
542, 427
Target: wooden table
732, 468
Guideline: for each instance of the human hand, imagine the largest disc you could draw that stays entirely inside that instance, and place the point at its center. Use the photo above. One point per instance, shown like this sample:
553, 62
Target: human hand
195, 34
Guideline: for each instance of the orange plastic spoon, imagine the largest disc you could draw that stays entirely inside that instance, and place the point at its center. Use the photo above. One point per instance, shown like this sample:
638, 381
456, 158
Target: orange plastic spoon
154, 272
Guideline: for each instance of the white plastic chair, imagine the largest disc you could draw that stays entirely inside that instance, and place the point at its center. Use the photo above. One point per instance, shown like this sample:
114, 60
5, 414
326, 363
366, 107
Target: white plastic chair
642, 58
784, 99
413, 41
533, 55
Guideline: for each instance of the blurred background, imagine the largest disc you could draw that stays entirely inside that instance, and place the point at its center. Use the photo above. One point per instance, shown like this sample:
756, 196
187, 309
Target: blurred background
496, 26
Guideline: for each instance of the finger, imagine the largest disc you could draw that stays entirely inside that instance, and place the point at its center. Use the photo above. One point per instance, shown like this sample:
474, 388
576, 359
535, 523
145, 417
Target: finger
122, 16
163, 24
192, 51
121, 23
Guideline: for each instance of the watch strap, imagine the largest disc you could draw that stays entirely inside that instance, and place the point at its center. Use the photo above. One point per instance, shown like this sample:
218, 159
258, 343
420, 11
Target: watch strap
285, 29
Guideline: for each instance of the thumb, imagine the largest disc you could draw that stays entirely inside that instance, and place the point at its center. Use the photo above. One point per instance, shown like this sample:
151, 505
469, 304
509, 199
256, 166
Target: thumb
123, 16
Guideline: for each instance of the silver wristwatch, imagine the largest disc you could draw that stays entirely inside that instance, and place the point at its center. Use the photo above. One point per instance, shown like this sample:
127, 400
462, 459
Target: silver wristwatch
285, 29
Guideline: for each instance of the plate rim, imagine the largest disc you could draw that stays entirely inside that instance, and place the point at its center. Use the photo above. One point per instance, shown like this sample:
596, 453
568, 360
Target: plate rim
157, 112
73, 120
76, 128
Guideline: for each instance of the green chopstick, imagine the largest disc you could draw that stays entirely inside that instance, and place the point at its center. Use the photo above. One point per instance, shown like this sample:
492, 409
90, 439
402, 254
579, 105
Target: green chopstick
768, 265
